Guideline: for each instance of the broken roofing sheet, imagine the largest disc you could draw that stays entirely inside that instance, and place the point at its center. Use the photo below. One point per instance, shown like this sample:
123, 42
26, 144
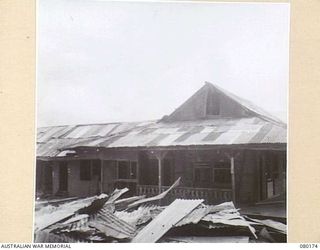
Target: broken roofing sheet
157, 197
49, 214
176, 211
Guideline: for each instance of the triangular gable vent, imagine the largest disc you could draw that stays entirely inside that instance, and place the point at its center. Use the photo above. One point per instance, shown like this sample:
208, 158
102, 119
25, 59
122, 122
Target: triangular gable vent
211, 102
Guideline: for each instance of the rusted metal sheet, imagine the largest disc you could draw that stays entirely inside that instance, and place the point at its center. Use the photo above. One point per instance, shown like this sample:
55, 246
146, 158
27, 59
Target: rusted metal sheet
176, 211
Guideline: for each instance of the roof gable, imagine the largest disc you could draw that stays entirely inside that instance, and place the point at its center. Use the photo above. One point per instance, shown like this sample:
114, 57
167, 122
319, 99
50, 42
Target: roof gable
211, 102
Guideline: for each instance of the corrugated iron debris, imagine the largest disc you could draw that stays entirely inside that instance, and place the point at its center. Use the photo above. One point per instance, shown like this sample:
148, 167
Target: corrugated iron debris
99, 219
167, 219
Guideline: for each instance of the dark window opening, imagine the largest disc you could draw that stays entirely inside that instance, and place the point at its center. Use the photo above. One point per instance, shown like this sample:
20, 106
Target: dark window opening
222, 173
222, 176
149, 171
96, 168
213, 104
127, 170
48, 178
85, 170
202, 175
272, 169
133, 170
123, 170
168, 172
63, 176
210, 175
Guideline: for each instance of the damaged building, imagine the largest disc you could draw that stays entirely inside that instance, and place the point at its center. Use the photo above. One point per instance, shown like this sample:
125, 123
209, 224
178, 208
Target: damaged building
222, 148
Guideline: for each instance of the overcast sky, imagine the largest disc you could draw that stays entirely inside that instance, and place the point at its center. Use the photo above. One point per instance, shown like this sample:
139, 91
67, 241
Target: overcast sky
103, 61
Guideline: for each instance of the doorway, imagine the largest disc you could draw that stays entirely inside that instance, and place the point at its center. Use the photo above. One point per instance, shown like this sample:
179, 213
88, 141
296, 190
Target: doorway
47, 177
63, 176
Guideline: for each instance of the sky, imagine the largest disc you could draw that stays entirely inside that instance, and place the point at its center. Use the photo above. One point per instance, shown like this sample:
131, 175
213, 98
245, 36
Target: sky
116, 61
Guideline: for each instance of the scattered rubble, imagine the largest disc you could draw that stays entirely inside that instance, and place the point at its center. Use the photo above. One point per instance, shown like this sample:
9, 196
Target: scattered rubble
106, 218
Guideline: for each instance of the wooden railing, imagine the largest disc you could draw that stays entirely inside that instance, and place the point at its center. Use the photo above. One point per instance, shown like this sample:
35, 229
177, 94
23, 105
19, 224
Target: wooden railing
210, 195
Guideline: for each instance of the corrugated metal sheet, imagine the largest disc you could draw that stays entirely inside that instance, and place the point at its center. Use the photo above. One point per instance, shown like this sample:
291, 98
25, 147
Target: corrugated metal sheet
176, 211
202, 210
53, 132
107, 223
194, 217
139, 216
47, 217
53, 146
87, 131
47, 237
153, 134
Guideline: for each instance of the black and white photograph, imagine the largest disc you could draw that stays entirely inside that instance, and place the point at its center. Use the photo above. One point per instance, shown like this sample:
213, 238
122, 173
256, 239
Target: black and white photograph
161, 122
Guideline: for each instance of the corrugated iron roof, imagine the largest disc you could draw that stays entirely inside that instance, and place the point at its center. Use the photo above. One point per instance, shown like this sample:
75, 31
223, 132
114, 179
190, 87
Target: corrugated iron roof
225, 132
160, 134
250, 126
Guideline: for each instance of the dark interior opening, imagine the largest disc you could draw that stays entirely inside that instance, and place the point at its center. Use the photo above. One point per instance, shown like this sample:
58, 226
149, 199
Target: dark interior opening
63, 176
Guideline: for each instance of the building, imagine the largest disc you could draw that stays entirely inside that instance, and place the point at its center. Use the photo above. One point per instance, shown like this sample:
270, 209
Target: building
223, 148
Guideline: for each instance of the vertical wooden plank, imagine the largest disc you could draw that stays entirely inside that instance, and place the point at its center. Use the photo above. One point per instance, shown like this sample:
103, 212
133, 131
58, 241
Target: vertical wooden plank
233, 180
160, 173
263, 177
138, 174
258, 177
101, 176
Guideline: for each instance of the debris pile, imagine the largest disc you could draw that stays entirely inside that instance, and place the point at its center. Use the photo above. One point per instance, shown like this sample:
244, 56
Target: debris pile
138, 219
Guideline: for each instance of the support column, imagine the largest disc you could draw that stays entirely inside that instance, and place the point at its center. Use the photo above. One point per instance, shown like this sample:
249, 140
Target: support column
233, 180
160, 173
160, 156
101, 176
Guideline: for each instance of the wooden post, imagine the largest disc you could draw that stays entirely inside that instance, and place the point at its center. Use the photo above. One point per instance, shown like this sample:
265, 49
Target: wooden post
160, 173
233, 180
160, 156
101, 176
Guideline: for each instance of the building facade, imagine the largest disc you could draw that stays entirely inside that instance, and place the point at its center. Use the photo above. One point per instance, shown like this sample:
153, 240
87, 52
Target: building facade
220, 146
